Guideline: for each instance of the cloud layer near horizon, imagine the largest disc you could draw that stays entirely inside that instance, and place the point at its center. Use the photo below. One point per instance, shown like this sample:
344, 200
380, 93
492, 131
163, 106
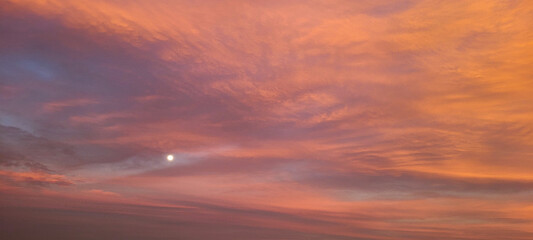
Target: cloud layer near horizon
287, 119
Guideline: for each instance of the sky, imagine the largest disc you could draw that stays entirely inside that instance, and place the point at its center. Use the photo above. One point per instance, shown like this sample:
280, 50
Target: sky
287, 120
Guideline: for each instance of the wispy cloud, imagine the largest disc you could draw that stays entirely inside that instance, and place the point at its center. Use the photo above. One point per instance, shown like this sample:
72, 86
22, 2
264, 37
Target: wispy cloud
294, 119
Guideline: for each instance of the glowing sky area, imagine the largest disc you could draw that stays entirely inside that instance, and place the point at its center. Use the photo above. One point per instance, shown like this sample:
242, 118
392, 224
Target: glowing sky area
300, 120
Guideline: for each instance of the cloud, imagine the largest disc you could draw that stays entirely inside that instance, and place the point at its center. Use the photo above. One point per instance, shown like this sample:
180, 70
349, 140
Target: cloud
301, 120
37, 179
102, 193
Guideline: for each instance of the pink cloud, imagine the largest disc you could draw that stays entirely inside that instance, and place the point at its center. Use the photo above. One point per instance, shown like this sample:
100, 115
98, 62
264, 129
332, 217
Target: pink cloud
287, 120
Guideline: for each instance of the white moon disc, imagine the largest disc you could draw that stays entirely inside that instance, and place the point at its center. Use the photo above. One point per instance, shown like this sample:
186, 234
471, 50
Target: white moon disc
170, 157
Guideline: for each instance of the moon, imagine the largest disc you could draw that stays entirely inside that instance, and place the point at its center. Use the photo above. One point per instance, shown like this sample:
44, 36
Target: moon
170, 158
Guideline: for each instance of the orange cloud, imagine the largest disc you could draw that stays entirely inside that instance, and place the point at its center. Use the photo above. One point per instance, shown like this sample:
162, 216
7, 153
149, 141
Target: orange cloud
35, 178
288, 120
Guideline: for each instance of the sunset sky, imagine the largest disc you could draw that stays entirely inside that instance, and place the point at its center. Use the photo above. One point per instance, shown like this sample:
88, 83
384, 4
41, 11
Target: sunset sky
287, 120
